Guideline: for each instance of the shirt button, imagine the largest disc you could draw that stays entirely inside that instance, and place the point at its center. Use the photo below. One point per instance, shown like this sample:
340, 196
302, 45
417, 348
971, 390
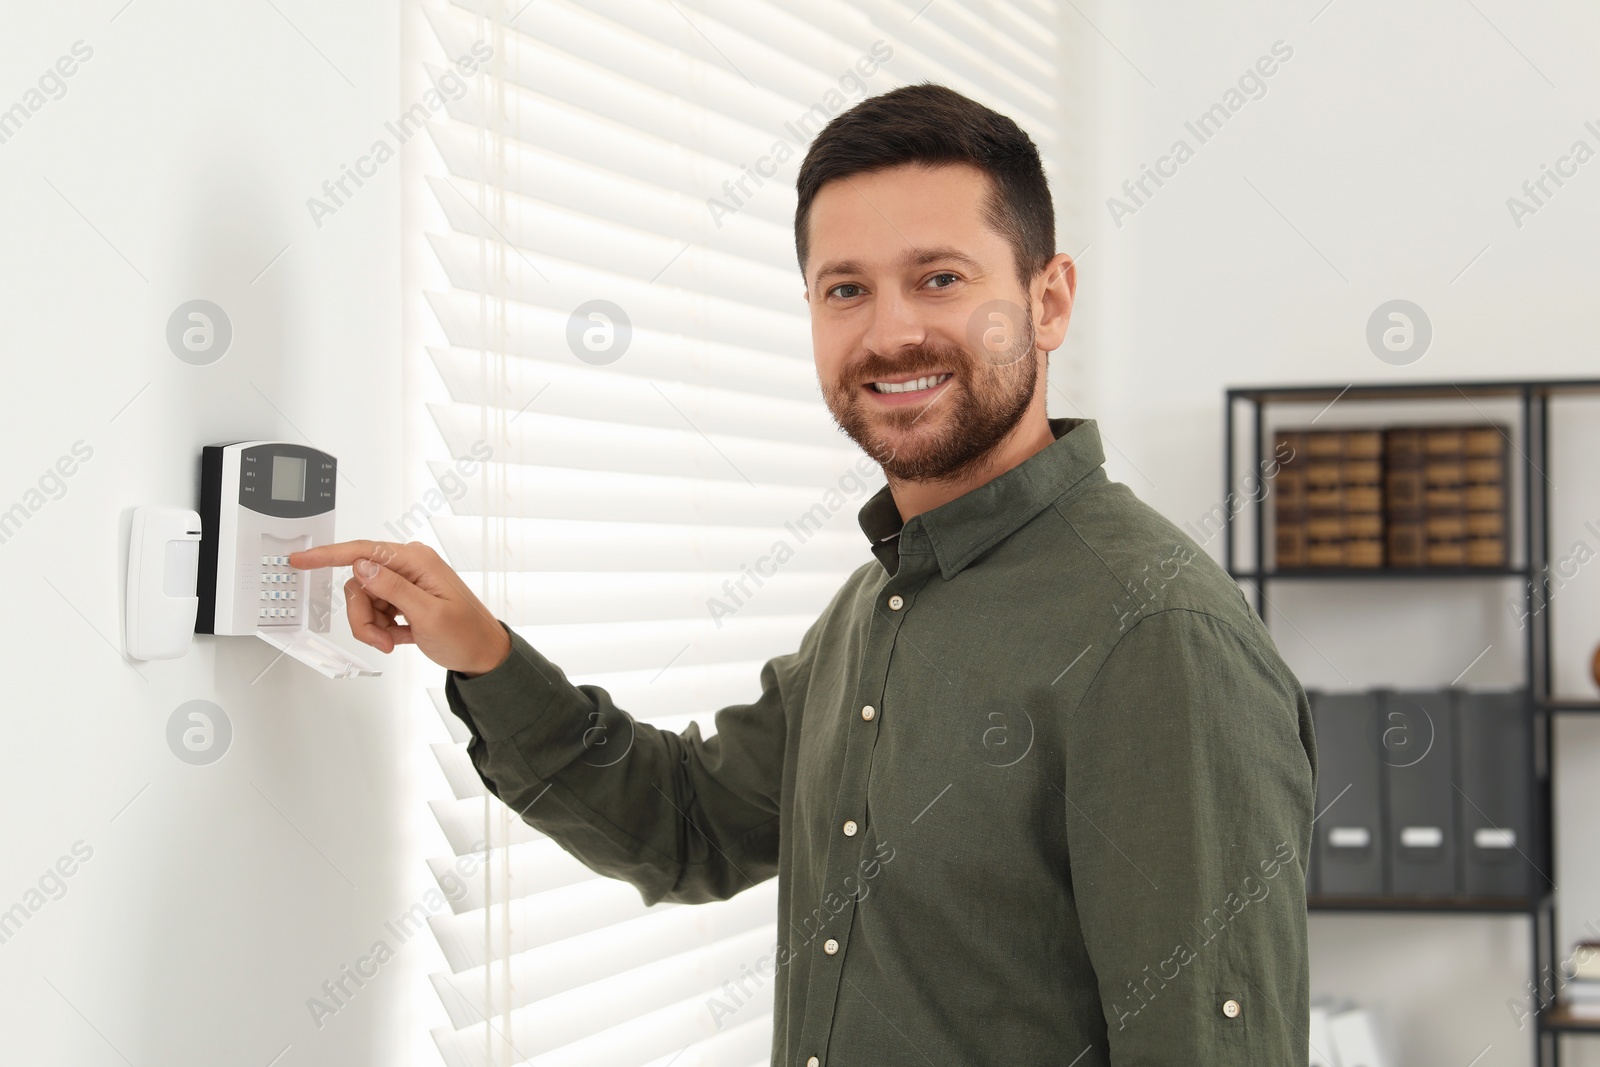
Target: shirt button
813, 1062
1230, 1008
849, 828
897, 602
868, 712
830, 946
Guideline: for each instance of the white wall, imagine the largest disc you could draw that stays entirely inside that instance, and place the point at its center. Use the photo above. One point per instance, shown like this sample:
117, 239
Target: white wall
181, 157
177, 165
1376, 166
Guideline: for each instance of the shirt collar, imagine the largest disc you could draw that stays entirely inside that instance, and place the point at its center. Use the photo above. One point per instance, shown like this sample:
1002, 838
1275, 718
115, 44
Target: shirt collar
958, 531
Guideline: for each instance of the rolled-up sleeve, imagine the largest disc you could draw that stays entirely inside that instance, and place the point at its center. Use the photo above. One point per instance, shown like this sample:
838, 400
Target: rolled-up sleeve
682, 817
1189, 785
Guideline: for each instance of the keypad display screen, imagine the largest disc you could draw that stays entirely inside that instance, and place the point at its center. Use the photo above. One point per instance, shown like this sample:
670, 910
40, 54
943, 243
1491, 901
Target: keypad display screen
287, 481
289, 478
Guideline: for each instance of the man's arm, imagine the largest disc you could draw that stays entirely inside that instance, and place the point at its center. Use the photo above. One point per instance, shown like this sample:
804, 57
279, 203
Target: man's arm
1189, 795
682, 817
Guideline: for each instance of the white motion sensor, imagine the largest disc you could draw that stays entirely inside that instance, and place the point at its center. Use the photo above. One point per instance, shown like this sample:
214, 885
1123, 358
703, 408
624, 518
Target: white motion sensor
163, 558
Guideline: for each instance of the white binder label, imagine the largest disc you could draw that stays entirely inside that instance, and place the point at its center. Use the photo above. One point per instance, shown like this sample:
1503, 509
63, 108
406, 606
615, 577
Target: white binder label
1493, 837
1349, 837
1421, 837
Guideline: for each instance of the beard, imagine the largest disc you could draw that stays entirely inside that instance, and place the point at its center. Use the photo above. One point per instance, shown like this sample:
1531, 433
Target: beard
954, 433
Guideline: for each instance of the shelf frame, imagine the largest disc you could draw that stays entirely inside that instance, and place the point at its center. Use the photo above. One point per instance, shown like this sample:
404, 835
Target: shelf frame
1552, 1020
1369, 574
1434, 905
1560, 1020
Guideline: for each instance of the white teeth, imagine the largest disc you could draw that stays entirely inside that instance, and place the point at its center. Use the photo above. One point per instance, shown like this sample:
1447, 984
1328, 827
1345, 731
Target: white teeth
911, 386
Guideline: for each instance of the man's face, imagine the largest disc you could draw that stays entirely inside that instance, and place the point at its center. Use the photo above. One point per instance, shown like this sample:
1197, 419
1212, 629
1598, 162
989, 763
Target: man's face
906, 281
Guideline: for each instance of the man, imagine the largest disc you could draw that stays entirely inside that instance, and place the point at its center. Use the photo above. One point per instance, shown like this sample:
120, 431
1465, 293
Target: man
1036, 786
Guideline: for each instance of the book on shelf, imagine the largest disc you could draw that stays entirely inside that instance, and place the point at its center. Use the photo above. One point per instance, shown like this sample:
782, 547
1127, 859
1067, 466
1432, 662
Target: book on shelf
1328, 509
1446, 499
1586, 960
1406, 496
1289, 502
1488, 496
1580, 1007
1580, 994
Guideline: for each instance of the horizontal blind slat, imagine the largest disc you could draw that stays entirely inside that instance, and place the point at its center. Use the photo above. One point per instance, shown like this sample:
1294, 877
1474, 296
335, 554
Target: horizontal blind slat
717, 601
641, 155
541, 229
580, 444
461, 822
654, 645
532, 867
613, 394
535, 280
528, 922
586, 1031
696, 689
642, 62
538, 336
598, 556
642, 202
530, 491
586, 961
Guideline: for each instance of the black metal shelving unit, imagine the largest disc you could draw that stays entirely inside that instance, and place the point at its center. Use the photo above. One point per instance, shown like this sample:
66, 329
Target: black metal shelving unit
1533, 507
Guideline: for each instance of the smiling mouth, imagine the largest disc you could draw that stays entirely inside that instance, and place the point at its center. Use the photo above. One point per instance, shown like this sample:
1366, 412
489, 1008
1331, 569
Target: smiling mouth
916, 385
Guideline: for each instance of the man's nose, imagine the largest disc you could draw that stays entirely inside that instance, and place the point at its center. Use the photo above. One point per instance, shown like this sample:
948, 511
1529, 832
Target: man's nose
895, 325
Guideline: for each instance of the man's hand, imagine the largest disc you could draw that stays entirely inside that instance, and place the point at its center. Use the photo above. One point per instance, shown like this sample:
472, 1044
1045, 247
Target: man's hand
442, 616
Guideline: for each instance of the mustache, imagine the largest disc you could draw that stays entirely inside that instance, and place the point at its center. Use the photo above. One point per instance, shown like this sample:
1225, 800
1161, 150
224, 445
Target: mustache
920, 361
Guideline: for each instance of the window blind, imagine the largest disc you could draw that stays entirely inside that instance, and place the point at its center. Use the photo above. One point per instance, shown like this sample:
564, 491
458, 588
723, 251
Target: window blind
619, 483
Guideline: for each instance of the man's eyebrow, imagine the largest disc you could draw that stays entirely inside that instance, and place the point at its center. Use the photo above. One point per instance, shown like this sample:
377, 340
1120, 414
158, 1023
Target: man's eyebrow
921, 257
840, 266
913, 257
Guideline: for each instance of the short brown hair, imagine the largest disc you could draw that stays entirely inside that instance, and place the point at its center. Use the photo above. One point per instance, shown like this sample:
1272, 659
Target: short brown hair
931, 124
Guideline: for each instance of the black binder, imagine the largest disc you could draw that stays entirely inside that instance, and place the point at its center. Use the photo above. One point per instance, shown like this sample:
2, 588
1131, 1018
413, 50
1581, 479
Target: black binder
1496, 777
1348, 838
1417, 754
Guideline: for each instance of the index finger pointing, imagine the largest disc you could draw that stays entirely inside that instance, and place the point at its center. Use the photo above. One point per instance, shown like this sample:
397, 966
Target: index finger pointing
343, 554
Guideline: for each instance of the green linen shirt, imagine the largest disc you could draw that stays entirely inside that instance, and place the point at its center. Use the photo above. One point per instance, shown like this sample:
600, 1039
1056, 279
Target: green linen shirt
1036, 785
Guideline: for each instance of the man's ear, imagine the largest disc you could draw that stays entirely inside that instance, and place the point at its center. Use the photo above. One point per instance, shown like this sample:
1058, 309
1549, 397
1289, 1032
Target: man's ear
1054, 290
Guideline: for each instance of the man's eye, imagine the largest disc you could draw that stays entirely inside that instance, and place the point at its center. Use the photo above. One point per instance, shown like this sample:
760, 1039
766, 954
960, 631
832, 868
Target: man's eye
845, 290
944, 274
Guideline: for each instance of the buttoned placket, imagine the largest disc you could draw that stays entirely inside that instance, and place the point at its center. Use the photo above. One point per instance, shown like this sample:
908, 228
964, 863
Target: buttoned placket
854, 836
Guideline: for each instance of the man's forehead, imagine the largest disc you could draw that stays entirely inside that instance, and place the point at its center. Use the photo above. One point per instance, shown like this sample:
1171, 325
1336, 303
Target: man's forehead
905, 195
901, 217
